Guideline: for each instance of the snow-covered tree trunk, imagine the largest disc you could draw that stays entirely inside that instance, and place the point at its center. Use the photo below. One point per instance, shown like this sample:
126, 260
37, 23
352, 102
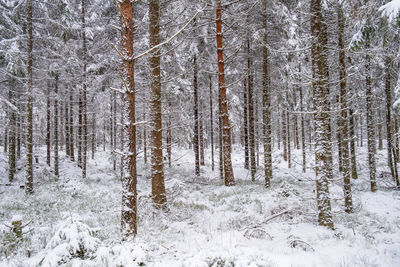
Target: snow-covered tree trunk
321, 115
266, 102
348, 202
370, 115
29, 156
196, 118
211, 126
129, 179
55, 126
84, 93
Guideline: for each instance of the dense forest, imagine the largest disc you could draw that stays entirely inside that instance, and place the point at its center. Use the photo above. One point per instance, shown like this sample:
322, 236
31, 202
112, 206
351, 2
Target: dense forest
199, 133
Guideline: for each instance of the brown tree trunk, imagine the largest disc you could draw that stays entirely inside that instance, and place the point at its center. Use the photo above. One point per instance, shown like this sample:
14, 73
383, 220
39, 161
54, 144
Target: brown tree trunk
303, 137
201, 134
157, 173
29, 156
226, 128
129, 180
12, 133
169, 135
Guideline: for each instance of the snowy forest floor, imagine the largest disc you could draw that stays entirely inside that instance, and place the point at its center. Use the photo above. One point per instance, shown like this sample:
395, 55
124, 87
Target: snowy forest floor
76, 222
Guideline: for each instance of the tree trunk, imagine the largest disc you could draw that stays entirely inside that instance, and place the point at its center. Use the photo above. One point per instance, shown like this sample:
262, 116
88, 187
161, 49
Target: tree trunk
321, 117
221, 154
169, 134
67, 137
48, 126
12, 132
284, 135
129, 180
289, 156
157, 174
354, 174
251, 113
370, 117
55, 126
245, 126
71, 124
29, 156
226, 128
84, 95
266, 104
389, 138
344, 133
211, 127
196, 118
303, 138
380, 141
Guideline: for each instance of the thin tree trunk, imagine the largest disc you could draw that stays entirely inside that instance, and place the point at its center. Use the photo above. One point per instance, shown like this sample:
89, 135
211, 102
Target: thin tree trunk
211, 127
29, 156
303, 138
284, 135
339, 132
266, 104
67, 137
245, 126
196, 118
221, 154
48, 126
295, 124
354, 174
94, 142
71, 124
84, 95
158, 186
201, 134
380, 134
289, 156
144, 136
169, 135
226, 128
129, 181
12, 132
55, 126
251, 113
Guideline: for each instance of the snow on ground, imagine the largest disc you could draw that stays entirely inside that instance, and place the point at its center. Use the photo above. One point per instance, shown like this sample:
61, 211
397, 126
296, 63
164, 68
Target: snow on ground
76, 222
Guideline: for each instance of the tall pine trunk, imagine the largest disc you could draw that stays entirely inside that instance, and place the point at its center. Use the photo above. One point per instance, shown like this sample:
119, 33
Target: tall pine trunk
129, 179
84, 94
251, 113
321, 117
55, 126
157, 170
196, 118
29, 156
211, 126
370, 116
348, 202
48, 125
226, 128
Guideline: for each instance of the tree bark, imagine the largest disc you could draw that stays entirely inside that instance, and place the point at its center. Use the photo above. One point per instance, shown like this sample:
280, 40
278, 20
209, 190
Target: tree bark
157, 173
196, 118
344, 133
129, 180
226, 128
321, 116
211, 127
84, 94
245, 126
251, 113
29, 156
71, 124
370, 116
55, 127
48, 126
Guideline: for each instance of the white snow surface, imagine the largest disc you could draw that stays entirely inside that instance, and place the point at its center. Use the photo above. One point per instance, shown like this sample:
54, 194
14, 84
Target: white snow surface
76, 222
